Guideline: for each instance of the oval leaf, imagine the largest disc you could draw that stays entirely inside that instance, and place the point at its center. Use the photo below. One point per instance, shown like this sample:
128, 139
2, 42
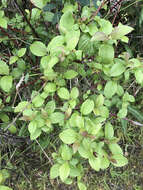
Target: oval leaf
95, 163
115, 149
109, 131
64, 93
106, 52
54, 171
120, 31
66, 22
6, 83
118, 68
120, 160
68, 136
38, 48
74, 93
87, 107
4, 69
72, 39
64, 171
110, 89
66, 152
70, 74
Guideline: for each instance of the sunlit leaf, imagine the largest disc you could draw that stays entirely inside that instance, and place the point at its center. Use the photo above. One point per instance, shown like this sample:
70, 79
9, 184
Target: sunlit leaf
68, 136
6, 83
4, 69
38, 48
64, 171
87, 107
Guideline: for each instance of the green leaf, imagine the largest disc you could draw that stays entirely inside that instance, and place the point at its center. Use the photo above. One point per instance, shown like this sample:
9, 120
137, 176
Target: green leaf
55, 43
1, 178
72, 120
48, 16
57, 117
95, 163
50, 107
21, 52
106, 52
66, 22
87, 107
12, 129
36, 134
13, 59
120, 90
92, 28
66, 152
21, 106
104, 163
81, 186
109, 131
54, 171
1, 13
38, 48
3, 187
4, 69
70, 74
83, 151
68, 136
69, 7
3, 23
79, 121
75, 171
4, 117
128, 98
6, 83
99, 36
32, 126
99, 100
53, 61
38, 3
5, 173
64, 171
105, 26
63, 93
38, 101
74, 93
50, 87
86, 12
72, 39
110, 89
115, 148
118, 68
86, 45
120, 31
34, 130
120, 160
44, 62
122, 113
139, 76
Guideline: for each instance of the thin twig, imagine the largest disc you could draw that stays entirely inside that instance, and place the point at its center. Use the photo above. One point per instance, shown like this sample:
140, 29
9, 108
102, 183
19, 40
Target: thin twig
18, 115
131, 121
134, 122
17, 88
24, 16
44, 152
116, 14
94, 14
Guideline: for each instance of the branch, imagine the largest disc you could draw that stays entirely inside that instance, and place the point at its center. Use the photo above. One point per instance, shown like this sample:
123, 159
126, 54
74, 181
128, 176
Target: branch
24, 16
